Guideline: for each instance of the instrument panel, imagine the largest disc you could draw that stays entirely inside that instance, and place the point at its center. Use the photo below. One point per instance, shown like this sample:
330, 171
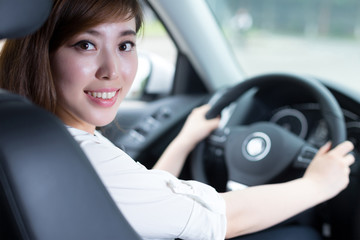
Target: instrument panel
305, 121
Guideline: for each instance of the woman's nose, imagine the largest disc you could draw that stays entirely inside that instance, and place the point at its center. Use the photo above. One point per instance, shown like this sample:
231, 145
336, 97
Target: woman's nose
108, 66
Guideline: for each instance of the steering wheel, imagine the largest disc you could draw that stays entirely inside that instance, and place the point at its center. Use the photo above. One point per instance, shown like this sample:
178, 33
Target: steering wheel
255, 154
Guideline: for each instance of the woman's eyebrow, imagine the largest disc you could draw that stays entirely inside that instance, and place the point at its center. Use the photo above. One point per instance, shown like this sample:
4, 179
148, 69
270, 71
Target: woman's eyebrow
128, 32
121, 34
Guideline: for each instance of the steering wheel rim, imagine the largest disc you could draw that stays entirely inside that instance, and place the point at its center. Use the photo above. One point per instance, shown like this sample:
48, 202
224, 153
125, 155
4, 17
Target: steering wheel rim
330, 111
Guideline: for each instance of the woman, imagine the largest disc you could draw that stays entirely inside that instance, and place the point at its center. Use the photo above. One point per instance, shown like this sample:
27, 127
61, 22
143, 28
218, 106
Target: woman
81, 64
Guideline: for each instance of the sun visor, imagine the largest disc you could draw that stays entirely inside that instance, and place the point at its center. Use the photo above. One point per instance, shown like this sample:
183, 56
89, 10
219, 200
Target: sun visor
21, 17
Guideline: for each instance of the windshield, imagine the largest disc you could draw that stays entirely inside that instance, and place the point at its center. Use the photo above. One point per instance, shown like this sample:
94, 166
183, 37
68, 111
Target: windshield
316, 37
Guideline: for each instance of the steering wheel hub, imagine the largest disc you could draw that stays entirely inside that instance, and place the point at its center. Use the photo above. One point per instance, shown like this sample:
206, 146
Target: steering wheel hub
256, 146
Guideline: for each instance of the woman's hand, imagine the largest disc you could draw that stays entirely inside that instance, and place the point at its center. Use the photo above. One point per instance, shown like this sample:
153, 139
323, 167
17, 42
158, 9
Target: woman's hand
197, 127
329, 170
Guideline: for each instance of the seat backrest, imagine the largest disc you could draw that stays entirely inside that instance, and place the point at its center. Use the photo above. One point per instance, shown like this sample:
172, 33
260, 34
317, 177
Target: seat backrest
49, 189
21, 17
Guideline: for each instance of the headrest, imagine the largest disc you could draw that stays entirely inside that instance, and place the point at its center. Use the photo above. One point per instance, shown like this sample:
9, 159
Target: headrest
21, 17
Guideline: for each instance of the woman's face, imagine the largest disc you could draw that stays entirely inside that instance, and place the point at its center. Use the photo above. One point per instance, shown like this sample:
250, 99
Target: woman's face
93, 72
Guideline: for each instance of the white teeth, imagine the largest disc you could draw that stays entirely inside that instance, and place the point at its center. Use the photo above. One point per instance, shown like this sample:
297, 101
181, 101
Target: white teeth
103, 95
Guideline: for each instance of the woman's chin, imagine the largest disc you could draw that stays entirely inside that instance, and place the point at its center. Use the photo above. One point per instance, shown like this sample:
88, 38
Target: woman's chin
103, 121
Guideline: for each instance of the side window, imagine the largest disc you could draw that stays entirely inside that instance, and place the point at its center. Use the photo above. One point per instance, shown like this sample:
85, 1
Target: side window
157, 56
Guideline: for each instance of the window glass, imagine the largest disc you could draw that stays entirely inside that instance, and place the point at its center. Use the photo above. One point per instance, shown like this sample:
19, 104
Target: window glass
157, 57
317, 37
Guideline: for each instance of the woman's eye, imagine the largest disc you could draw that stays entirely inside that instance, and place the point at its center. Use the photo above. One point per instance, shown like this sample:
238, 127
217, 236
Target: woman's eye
127, 46
85, 45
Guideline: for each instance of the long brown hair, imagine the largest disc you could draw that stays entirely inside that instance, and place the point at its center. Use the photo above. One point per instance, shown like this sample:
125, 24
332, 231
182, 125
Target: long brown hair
25, 63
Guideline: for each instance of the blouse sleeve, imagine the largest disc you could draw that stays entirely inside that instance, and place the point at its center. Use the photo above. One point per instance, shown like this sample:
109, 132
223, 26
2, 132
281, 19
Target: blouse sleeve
156, 204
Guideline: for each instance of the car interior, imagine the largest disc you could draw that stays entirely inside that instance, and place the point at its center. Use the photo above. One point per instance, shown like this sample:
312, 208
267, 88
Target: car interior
49, 189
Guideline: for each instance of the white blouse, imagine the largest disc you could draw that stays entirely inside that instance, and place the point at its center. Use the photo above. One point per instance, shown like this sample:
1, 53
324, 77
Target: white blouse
156, 204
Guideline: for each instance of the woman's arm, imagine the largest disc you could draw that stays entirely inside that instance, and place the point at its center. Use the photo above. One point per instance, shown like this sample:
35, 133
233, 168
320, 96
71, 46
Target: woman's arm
195, 129
256, 208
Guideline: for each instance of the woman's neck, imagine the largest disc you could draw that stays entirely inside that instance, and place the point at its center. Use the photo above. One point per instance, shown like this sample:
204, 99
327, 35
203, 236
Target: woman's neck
71, 121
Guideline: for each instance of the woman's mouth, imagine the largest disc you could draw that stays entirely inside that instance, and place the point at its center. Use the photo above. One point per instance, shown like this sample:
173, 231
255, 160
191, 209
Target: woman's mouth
103, 98
103, 95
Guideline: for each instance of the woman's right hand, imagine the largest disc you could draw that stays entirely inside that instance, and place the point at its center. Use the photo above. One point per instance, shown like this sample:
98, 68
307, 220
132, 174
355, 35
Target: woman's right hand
197, 127
329, 170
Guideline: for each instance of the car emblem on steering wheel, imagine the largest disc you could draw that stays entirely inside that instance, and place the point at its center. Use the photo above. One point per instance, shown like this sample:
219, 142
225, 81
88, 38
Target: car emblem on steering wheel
256, 146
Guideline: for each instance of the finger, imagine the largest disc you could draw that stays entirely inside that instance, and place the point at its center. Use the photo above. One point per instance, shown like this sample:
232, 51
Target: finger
325, 148
201, 111
204, 107
343, 148
215, 122
349, 159
347, 171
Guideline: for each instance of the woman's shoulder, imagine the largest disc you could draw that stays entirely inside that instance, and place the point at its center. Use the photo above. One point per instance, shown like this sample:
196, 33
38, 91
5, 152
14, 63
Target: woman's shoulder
100, 150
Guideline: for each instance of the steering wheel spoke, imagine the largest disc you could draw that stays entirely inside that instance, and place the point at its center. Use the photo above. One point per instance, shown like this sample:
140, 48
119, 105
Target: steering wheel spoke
218, 137
305, 156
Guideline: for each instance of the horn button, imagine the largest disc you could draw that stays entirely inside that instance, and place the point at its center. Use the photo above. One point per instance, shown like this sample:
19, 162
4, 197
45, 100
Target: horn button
256, 146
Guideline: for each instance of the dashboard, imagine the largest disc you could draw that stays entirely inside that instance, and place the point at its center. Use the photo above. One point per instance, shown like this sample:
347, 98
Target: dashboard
304, 120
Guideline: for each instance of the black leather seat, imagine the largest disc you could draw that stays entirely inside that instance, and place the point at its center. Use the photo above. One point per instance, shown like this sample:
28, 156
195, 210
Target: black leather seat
48, 188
